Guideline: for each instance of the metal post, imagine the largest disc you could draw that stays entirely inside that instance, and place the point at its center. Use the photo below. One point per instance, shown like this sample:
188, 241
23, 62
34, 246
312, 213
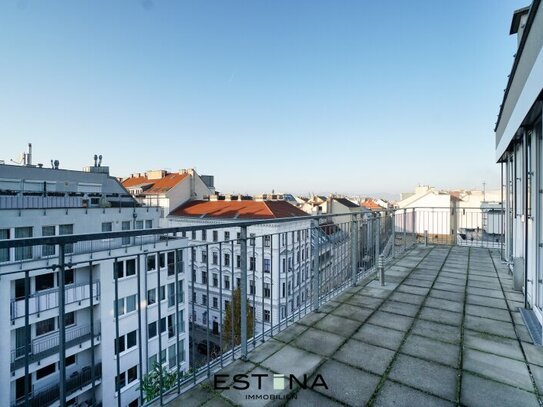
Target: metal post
117, 346
414, 226
27, 338
404, 229
377, 236
381, 269
354, 249
426, 238
502, 254
91, 305
243, 297
62, 326
393, 217
316, 271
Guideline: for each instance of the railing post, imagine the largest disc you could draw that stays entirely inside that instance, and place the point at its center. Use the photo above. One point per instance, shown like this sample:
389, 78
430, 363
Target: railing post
413, 219
426, 238
354, 248
243, 299
316, 271
393, 217
377, 236
27, 338
61, 327
404, 229
381, 269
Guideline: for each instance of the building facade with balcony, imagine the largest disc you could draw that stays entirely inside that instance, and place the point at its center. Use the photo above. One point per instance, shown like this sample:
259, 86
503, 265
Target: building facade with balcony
519, 149
110, 286
278, 259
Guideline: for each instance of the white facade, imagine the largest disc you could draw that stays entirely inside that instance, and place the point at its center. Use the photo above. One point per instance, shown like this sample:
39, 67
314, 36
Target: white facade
89, 278
519, 148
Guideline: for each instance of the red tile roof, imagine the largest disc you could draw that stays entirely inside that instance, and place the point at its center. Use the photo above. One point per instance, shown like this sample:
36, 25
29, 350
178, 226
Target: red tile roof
156, 186
239, 209
371, 204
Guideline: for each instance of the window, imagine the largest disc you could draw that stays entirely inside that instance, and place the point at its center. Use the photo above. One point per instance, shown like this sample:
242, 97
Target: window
151, 362
283, 290
23, 253
46, 371
171, 294
238, 261
215, 235
204, 299
149, 224
162, 325
130, 303
48, 249
252, 239
226, 283
119, 309
227, 259
215, 280
70, 360
267, 290
4, 253
204, 235
151, 330
171, 263
215, 302
180, 292
215, 258
132, 374
120, 381
162, 292
171, 356
134, 403
267, 265
151, 262
19, 288
226, 304
252, 287
69, 318
125, 225
267, 241
46, 326
181, 320
193, 235
204, 256
130, 266
267, 315
226, 236
252, 263
151, 296
107, 226
204, 277
139, 224
131, 340
45, 281
182, 350
118, 269
162, 260
69, 276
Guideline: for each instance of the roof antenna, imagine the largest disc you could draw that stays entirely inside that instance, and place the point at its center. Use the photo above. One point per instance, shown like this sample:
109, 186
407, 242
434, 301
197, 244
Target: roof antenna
100, 160
95, 160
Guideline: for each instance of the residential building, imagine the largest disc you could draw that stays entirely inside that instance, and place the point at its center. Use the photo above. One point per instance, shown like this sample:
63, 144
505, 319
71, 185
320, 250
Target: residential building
519, 149
168, 190
46, 202
279, 257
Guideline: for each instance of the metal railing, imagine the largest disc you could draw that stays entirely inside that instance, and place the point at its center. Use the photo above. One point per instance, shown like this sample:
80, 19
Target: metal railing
240, 291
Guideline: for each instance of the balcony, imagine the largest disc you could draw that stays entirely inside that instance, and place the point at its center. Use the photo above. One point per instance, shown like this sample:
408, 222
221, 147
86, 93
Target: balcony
50, 394
444, 330
41, 301
49, 345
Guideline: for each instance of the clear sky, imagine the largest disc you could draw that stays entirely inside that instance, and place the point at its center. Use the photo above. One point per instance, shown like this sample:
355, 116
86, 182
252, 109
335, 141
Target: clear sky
297, 96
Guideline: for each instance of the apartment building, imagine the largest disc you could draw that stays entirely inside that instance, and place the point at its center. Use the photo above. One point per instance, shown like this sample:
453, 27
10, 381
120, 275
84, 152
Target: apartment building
519, 149
111, 340
279, 257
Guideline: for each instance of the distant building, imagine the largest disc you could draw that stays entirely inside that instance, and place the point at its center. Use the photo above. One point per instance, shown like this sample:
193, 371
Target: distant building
168, 190
520, 151
37, 202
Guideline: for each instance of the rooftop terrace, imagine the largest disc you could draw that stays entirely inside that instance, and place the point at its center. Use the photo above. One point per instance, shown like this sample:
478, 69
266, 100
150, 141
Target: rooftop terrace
444, 330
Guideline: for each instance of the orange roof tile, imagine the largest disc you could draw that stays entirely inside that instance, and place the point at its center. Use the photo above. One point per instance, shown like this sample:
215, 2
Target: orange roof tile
156, 186
370, 204
239, 209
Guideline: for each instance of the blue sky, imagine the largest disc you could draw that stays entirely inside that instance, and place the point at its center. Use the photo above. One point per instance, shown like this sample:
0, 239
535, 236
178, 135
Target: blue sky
297, 96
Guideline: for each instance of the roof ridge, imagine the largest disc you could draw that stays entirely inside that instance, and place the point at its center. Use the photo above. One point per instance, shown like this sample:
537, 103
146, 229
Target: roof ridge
272, 213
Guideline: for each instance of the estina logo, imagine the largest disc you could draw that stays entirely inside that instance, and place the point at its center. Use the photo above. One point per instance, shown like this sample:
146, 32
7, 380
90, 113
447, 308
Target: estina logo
258, 381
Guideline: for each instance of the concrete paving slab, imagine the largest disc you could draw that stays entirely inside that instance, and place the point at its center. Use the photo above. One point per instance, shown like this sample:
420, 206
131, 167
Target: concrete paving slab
359, 314
447, 295
485, 293
409, 289
395, 394
493, 344
338, 325
290, 333
216, 402
364, 301
265, 350
444, 304
432, 350
317, 341
347, 384
388, 320
490, 326
374, 292
537, 372
195, 398
291, 360
499, 368
486, 301
306, 397
488, 312
312, 318
427, 376
434, 330
407, 298
401, 308
534, 354
441, 316
380, 336
478, 391
374, 359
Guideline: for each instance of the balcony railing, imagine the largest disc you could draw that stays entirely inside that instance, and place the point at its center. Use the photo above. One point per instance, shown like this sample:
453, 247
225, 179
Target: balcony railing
48, 345
41, 301
300, 264
48, 395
